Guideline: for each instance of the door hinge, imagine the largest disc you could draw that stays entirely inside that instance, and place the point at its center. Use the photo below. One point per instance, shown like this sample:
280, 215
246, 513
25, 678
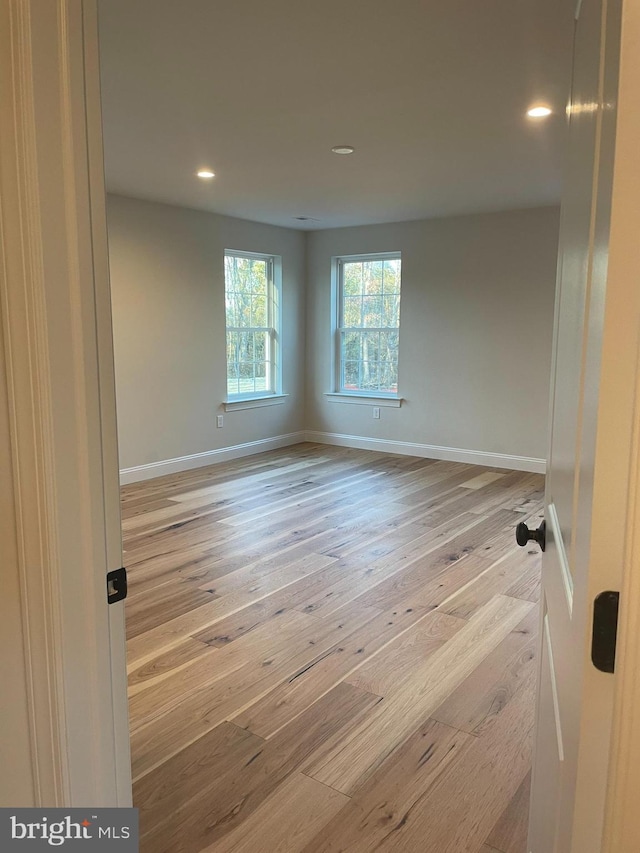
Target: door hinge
605, 631
116, 585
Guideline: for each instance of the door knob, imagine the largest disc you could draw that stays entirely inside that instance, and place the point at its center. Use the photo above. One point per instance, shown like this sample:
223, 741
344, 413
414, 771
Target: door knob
524, 535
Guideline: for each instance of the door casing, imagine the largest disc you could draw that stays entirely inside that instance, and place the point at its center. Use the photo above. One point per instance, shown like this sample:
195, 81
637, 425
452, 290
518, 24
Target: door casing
58, 362
60, 394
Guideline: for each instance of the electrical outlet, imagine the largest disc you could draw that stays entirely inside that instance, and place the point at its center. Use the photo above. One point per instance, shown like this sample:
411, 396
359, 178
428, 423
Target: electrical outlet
220, 421
376, 412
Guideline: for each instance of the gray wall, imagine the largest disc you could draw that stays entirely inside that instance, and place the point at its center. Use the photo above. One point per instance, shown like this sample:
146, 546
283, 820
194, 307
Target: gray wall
167, 280
476, 331
475, 345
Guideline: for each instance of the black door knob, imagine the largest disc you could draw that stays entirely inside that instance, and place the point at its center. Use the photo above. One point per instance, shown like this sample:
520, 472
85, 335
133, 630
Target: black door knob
524, 535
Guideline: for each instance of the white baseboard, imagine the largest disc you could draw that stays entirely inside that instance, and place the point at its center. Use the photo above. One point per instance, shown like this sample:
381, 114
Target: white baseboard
209, 457
406, 448
431, 451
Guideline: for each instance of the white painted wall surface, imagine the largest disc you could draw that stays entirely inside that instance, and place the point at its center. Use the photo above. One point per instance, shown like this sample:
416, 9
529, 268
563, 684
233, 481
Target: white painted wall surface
476, 331
169, 330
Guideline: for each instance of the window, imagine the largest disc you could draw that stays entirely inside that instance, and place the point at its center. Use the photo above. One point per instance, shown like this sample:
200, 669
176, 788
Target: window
368, 327
251, 284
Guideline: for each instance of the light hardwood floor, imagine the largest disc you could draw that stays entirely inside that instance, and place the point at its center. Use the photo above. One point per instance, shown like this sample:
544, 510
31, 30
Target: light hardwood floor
332, 650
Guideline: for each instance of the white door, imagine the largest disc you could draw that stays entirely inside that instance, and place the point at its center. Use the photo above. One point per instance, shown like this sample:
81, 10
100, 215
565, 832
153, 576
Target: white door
590, 446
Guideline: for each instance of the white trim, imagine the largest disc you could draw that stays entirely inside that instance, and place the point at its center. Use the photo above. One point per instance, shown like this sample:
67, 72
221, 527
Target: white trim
26, 359
558, 540
394, 255
61, 406
623, 819
107, 388
254, 402
623, 816
546, 633
364, 399
209, 457
431, 451
138, 473
337, 311
274, 311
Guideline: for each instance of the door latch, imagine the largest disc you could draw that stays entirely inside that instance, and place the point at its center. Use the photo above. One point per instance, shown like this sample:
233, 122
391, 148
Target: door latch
605, 631
116, 585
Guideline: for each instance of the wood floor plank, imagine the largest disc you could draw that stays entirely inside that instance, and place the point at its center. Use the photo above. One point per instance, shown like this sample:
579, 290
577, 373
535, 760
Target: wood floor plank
227, 800
483, 694
351, 761
331, 577
509, 835
383, 581
528, 585
503, 494
388, 797
246, 620
186, 719
433, 562
386, 671
483, 480
452, 813
262, 565
295, 595
192, 533
217, 665
485, 776
161, 667
171, 633
142, 508
310, 683
169, 794
326, 495
286, 821
502, 576
157, 570
164, 603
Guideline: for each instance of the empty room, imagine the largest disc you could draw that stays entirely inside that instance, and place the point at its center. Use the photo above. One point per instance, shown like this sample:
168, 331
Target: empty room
332, 373
333, 267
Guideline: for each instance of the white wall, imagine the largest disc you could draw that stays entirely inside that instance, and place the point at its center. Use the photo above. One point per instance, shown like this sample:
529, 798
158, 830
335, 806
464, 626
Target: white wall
475, 345
476, 331
167, 283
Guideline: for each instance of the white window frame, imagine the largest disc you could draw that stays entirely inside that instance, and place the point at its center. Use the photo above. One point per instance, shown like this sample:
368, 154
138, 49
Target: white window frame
339, 393
274, 345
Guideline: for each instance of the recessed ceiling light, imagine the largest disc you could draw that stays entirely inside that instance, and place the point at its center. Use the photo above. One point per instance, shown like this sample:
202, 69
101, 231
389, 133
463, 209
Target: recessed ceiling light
343, 149
539, 112
206, 174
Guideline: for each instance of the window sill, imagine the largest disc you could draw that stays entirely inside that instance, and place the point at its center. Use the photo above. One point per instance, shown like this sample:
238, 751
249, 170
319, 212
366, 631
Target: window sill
253, 402
364, 399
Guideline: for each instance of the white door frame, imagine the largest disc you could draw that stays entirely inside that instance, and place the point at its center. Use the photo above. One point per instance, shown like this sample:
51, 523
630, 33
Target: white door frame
622, 819
55, 307
54, 302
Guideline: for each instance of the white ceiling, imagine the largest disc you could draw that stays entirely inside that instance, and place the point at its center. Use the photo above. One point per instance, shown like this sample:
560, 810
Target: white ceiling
431, 93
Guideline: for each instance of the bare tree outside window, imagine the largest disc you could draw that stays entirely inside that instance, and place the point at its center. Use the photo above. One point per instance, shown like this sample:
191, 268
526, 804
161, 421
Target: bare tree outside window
369, 324
251, 300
